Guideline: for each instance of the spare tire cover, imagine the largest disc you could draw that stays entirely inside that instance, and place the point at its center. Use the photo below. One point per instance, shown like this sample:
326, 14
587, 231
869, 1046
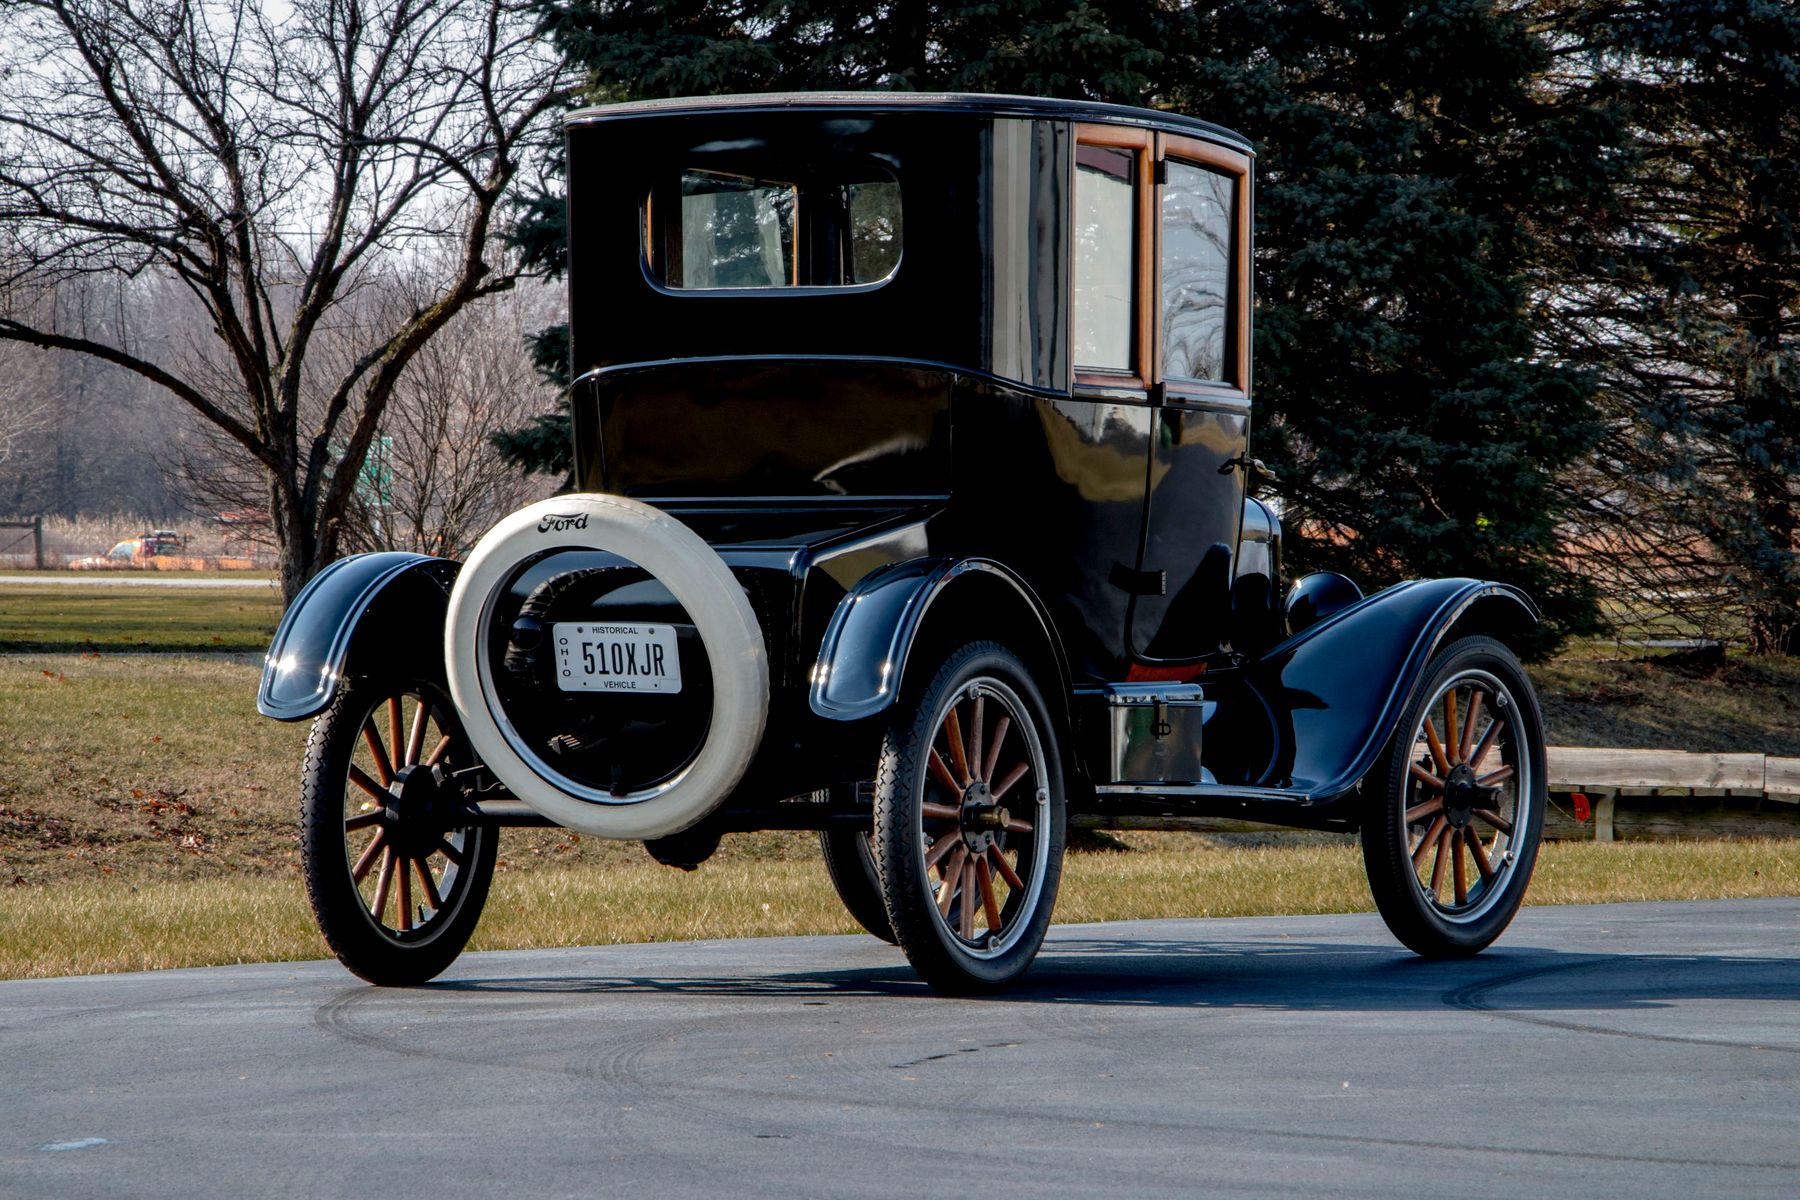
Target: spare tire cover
700, 582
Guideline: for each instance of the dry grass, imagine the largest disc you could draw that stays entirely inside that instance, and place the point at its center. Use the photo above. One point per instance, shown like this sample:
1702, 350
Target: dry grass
103, 926
148, 812
99, 618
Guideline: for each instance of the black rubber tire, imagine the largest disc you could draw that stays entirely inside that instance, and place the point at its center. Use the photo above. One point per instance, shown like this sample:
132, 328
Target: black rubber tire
939, 957
382, 955
850, 861
1411, 913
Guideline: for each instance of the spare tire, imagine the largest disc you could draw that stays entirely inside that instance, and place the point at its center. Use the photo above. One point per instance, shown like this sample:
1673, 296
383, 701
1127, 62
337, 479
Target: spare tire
699, 581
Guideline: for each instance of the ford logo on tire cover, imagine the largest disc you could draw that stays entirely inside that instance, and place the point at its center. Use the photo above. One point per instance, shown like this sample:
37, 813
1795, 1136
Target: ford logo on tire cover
557, 522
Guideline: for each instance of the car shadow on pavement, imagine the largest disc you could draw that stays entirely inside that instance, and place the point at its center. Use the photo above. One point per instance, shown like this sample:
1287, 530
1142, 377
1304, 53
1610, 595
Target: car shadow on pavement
1290, 975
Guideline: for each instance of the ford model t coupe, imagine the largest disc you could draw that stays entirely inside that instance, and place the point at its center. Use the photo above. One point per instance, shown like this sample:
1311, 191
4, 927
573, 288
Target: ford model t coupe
913, 507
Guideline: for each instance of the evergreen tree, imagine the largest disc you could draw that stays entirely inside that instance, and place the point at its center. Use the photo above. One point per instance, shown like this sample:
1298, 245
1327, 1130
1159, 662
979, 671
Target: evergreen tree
1412, 176
1415, 178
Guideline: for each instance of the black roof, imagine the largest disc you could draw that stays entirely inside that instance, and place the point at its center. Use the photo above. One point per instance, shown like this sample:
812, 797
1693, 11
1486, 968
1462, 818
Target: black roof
936, 102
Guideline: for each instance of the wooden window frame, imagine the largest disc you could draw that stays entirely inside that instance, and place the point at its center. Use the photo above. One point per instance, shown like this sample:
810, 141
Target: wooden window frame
1142, 372
1146, 375
1236, 165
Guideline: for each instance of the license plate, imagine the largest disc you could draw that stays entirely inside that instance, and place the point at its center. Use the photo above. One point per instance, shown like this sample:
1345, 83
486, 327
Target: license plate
616, 658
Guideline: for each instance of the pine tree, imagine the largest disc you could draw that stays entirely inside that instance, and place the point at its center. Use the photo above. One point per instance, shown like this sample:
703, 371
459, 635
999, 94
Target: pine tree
1412, 175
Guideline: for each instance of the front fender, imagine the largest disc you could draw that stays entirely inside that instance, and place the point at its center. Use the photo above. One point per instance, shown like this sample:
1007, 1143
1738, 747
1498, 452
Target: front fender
395, 598
863, 656
1337, 689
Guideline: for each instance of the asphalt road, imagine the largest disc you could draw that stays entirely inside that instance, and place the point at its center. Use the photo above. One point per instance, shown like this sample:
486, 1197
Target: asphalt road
1629, 1050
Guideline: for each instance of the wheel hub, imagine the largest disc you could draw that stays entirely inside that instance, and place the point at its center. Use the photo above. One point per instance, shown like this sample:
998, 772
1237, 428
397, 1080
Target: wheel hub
1462, 796
981, 817
417, 803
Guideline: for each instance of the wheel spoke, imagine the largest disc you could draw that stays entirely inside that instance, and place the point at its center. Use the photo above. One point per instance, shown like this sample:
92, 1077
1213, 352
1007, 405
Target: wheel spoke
966, 914
1005, 868
1437, 863
1012, 777
383, 883
984, 879
1482, 747
1469, 719
450, 852
958, 756
1480, 854
415, 741
1495, 777
405, 897
1424, 846
941, 812
993, 750
1460, 872
384, 770
1495, 819
952, 874
361, 779
368, 856
1451, 740
1426, 777
393, 707
428, 884
1419, 812
975, 732
437, 754
935, 762
942, 847
1437, 748
364, 820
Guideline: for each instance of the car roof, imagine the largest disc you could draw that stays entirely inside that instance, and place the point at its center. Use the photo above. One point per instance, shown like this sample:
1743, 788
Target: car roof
981, 104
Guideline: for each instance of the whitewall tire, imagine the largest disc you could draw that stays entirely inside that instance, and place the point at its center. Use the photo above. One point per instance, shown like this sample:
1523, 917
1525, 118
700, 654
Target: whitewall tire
699, 581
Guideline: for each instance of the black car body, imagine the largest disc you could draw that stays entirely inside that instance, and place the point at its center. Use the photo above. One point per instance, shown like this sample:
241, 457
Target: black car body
923, 373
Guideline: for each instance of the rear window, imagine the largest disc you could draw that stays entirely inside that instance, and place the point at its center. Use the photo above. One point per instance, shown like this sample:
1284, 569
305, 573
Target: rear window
715, 230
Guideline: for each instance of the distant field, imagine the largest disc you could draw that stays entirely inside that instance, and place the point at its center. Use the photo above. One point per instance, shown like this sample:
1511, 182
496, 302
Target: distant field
39, 617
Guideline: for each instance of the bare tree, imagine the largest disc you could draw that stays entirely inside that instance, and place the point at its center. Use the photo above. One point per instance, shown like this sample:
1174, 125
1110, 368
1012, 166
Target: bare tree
435, 482
273, 159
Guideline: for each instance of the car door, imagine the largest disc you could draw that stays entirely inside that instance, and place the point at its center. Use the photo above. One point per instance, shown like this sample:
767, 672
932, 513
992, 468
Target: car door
1198, 234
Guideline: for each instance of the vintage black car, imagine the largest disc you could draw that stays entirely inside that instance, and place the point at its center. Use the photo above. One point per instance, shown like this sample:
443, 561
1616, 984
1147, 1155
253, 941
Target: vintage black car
913, 506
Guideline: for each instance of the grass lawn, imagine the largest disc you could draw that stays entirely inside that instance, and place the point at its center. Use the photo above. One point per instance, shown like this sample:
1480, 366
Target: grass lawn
73, 617
146, 819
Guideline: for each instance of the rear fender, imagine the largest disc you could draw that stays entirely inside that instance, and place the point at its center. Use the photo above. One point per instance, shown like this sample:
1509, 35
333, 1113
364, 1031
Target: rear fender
868, 646
1337, 689
389, 604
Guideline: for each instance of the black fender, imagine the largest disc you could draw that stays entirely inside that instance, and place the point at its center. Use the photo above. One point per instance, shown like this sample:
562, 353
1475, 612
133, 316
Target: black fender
391, 599
1336, 690
864, 654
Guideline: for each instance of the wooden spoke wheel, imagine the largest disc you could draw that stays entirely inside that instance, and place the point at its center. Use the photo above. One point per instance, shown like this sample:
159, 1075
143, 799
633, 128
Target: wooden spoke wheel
1453, 837
396, 874
850, 861
969, 822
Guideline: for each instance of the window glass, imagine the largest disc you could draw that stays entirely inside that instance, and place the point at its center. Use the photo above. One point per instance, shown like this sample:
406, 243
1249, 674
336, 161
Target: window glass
1105, 252
721, 230
1197, 207
874, 227
736, 232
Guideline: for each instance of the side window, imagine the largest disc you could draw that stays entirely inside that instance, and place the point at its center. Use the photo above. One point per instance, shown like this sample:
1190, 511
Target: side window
828, 225
1105, 254
1197, 218
735, 232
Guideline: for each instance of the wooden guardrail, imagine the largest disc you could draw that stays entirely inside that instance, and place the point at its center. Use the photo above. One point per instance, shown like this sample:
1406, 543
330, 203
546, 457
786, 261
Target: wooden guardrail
1645, 794
1606, 795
